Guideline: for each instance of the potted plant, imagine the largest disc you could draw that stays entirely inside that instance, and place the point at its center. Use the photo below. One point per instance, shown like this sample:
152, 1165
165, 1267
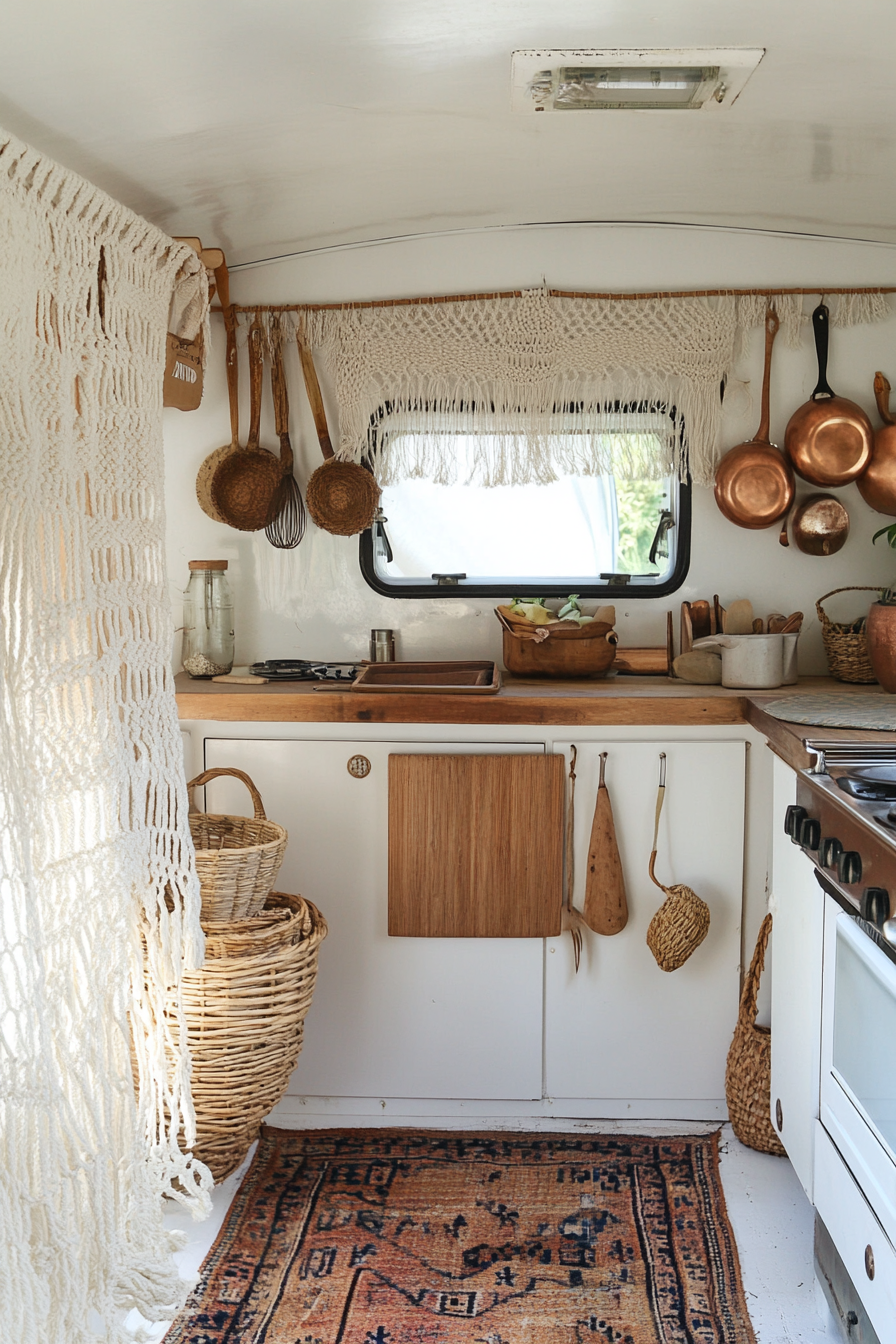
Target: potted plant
880, 630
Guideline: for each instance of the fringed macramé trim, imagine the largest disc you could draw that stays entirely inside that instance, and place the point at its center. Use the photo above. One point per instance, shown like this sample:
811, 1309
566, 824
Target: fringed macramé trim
542, 378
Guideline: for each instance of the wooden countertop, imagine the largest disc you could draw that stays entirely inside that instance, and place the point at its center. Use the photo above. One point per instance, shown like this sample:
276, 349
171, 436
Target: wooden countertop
620, 700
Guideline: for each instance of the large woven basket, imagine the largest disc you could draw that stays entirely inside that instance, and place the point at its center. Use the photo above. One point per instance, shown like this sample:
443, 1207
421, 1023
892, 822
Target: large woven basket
846, 649
237, 858
749, 1070
245, 1015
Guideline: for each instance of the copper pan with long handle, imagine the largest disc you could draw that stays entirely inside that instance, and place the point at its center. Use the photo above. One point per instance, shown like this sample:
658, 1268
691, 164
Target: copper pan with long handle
754, 483
877, 484
829, 439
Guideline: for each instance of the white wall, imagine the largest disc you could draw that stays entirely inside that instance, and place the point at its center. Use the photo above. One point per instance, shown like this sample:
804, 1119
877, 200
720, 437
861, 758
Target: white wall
313, 602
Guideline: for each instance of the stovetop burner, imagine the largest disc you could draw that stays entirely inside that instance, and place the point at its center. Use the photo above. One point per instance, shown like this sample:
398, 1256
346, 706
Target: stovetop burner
303, 669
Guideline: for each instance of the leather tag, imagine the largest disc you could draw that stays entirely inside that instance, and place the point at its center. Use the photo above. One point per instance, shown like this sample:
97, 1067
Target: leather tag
183, 373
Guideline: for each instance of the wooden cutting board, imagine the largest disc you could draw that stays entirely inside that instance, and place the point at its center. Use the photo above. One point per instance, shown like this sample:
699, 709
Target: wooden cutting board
475, 846
605, 908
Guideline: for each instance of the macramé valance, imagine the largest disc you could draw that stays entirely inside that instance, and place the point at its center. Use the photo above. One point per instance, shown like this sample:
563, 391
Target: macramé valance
520, 370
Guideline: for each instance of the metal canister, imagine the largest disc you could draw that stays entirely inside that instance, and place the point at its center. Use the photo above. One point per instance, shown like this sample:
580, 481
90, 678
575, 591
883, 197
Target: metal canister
382, 646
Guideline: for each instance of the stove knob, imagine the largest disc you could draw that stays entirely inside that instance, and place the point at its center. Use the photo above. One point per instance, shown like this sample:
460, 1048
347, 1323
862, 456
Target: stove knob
830, 851
849, 867
810, 833
875, 905
793, 819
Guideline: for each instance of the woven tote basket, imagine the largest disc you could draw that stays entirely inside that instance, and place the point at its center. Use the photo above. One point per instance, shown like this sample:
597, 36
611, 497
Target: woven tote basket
749, 1070
245, 1016
682, 921
846, 650
237, 858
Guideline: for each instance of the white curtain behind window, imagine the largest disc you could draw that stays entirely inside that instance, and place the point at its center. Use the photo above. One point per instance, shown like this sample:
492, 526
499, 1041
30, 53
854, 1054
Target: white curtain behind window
93, 829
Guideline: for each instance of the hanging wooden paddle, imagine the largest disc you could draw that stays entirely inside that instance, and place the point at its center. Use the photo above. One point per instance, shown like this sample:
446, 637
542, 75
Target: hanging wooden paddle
605, 910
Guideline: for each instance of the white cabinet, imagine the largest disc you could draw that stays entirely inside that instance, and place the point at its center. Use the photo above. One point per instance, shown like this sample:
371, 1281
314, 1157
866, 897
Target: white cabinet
797, 943
623, 1030
391, 1017
504, 1026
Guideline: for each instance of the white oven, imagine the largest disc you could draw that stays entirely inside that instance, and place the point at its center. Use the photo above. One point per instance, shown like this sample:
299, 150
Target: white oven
845, 824
855, 1186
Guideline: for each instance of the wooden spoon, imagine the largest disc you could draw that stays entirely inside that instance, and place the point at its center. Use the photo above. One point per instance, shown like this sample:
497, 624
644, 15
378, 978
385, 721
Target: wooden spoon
244, 484
605, 909
231, 368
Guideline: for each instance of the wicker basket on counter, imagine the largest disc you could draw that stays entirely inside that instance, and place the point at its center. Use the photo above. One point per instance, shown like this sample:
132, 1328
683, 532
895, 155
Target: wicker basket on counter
749, 1067
245, 1016
237, 858
561, 649
846, 649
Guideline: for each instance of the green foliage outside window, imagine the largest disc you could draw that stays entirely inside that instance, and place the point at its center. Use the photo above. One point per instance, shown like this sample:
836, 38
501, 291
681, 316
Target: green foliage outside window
639, 504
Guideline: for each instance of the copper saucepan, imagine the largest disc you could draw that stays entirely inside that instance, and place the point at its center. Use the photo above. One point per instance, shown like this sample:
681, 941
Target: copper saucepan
754, 483
828, 439
877, 484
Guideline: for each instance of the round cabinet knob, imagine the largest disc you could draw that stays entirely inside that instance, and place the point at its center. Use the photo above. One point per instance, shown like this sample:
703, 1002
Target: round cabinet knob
810, 833
793, 819
830, 851
358, 767
875, 905
849, 867
869, 1262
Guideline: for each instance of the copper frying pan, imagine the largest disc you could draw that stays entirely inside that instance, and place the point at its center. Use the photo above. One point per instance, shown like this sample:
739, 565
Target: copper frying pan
754, 483
877, 484
828, 439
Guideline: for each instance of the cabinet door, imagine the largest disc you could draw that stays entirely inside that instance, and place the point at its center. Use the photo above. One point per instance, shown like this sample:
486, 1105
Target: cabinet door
391, 1017
622, 1029
797, 906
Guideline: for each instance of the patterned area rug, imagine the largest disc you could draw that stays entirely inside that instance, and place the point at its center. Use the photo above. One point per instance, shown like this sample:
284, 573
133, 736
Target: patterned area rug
393, 1236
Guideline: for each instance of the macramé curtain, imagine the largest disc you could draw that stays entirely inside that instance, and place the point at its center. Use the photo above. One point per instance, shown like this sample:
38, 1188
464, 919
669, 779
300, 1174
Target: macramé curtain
99, 902
545, 382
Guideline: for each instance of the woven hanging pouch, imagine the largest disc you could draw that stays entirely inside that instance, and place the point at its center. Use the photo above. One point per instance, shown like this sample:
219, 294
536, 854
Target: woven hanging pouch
749, 1070
682, 921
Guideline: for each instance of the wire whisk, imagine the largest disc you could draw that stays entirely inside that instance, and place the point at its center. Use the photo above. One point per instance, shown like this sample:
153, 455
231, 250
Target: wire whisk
288, 526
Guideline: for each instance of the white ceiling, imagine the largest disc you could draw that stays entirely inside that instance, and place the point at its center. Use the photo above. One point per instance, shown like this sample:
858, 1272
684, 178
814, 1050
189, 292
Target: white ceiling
275, 126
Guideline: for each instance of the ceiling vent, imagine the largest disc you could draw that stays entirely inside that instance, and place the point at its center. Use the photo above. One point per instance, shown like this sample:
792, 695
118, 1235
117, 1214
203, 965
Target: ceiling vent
675, 79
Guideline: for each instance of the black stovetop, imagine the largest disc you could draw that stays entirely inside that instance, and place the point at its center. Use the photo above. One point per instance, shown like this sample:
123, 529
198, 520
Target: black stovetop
304, 669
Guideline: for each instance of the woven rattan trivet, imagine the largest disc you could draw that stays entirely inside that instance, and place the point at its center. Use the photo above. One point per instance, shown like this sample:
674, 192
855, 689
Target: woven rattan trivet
875, 709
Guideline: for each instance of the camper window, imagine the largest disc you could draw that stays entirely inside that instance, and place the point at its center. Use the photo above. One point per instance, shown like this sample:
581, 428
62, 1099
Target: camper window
600, 527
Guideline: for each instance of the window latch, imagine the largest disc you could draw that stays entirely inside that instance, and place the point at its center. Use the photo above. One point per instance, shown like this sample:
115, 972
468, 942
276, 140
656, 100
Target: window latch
660, 544
620, 580
379, 531
448, 580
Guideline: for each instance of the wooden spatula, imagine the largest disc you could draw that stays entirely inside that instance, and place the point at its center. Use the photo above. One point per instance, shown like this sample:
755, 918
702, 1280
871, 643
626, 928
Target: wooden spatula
605, 910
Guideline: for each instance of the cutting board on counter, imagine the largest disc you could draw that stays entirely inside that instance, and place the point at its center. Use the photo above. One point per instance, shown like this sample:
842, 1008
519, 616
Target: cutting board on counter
475, 846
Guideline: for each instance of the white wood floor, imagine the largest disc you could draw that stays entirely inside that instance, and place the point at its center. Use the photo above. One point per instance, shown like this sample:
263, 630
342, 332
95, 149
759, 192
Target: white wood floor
771, 1217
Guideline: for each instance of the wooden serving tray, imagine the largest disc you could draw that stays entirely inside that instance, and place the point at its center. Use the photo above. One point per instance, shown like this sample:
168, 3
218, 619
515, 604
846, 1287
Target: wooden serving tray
480, 678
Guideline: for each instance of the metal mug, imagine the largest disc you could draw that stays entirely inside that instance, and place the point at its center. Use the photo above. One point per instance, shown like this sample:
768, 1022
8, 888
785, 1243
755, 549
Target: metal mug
382, 646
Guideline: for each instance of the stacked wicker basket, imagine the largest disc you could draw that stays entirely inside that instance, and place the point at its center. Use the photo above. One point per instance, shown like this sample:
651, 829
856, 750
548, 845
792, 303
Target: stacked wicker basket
245, 1009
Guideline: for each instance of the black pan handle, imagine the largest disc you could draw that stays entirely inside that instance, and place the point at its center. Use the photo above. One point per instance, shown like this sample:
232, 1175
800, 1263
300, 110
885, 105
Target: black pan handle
820, 319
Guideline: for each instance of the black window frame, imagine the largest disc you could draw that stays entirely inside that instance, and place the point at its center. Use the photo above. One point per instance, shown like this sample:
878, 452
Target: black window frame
598, 589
